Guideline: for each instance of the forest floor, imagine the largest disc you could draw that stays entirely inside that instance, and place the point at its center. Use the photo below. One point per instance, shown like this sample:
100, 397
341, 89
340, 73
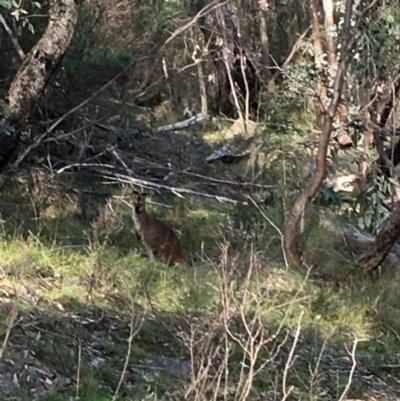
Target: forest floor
85, 315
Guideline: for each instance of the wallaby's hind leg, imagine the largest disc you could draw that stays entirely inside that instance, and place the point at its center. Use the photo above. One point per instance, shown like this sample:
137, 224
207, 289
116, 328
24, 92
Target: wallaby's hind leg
150, 253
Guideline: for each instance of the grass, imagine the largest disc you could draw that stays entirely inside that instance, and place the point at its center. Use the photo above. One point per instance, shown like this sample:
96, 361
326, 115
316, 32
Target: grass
83, 290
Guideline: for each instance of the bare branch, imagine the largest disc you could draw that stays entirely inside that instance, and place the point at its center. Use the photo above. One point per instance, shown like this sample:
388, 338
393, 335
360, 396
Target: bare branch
353, 368
292, 53
289, 362
180, 124
12, 37
114, 176
293, 223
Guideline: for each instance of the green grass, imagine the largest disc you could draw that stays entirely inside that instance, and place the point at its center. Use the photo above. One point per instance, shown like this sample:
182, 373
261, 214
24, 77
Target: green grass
93, 288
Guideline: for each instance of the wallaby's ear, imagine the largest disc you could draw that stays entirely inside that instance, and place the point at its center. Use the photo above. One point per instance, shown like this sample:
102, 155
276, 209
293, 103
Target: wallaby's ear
144, 195
134, 192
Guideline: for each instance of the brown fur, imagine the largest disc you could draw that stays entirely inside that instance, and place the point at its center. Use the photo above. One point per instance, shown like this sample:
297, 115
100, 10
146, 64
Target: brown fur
160, 240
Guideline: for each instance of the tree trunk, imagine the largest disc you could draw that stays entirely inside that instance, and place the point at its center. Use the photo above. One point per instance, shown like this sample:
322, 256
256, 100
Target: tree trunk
325, 83
343, 138
293, 223
379, 112
266, 67
235, 74
36, 70
383, 243
318, 50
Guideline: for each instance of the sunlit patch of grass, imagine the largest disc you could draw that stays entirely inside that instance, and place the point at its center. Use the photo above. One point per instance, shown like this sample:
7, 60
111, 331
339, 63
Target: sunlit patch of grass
109, 275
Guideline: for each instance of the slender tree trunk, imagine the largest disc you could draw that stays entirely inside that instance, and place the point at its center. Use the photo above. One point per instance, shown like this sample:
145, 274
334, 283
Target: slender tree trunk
36, 70
329, 9
383, 243
343, 138
318, 49
235, 73
266, 67
388, 159
293, 223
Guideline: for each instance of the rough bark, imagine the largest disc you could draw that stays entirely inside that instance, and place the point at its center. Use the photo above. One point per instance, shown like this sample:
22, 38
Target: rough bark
318, 49
329, 7
383, 243
266, 67
343, 138
324, 84
295, 216
233, 68
36, 70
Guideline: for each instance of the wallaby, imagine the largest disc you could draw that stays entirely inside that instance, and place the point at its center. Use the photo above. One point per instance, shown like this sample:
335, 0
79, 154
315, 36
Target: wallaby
160, 240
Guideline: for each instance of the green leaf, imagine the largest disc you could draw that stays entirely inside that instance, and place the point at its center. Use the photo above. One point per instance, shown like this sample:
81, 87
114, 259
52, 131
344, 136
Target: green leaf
7, 4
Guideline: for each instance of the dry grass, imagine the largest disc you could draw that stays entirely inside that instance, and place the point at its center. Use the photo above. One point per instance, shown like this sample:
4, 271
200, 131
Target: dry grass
85, 314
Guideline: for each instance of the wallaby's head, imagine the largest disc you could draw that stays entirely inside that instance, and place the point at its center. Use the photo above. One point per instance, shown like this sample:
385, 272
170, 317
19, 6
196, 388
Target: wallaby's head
139, 203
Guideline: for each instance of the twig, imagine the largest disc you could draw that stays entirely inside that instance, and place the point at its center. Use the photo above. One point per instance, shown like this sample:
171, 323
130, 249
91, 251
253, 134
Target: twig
315, 371
275, 227
382, 153
218, 181
136, 181
353, 368
207, 9
155, 313
116, 101
13, 316
358, 22
154, 165
118, 157
40, 138
78, 373
288, 364
393, 331
390, 366
132, 334
292, 53
147, 202
12, 37
62, 169
180, 124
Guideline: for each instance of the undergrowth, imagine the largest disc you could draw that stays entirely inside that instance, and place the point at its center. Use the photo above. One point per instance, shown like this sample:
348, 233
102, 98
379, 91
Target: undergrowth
99, 320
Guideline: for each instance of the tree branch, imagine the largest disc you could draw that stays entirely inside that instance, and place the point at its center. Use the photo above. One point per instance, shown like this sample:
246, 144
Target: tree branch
293, 223
12, 37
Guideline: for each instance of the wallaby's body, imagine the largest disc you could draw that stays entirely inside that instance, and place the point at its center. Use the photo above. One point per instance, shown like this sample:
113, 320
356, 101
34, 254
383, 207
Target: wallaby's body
160, 240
